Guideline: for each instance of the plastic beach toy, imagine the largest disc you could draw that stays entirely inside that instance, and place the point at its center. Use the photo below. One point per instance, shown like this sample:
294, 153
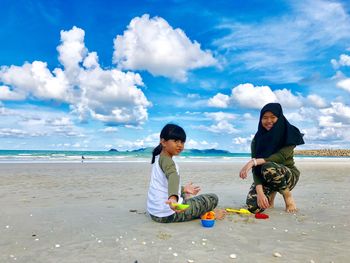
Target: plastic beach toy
208, 222
261, 216
208, 219
208, 215
240, 211
181, 206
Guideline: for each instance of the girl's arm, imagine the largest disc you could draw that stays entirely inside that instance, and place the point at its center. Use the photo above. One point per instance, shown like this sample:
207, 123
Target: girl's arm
263, 201
249, 165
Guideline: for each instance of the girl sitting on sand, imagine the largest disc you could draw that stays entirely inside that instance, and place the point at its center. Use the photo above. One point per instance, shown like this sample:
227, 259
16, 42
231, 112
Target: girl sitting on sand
165, 191
272, 162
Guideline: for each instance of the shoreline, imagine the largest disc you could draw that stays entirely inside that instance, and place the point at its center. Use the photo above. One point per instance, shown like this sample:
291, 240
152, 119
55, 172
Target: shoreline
180, 159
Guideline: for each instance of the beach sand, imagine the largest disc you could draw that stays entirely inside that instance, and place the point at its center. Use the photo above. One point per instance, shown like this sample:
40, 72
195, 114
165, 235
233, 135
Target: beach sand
95, 212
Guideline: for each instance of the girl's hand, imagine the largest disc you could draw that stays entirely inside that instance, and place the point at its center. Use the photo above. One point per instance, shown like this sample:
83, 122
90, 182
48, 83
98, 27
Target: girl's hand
191, 189
263, 201
245, 170
172, 204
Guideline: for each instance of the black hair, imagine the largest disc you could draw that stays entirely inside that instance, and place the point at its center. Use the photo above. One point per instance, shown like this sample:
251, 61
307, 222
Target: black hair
169, 132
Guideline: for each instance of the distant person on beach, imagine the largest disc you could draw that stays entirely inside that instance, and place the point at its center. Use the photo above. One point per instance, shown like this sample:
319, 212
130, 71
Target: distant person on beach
165, 190
272, 163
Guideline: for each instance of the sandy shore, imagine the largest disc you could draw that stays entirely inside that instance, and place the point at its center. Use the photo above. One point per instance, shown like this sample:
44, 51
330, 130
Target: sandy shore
81, 213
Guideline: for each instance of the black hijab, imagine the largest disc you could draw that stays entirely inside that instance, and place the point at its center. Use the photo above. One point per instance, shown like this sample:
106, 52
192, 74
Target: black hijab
280, 135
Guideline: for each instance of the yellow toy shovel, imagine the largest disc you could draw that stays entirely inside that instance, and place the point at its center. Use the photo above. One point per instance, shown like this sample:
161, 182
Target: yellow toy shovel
240, 211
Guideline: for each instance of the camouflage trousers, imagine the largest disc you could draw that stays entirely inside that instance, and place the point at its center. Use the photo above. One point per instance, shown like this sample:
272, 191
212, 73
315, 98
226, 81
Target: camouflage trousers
198, 206
277, 178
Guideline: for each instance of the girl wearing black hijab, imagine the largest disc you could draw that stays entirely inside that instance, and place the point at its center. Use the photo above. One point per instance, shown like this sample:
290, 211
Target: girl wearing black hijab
272, 162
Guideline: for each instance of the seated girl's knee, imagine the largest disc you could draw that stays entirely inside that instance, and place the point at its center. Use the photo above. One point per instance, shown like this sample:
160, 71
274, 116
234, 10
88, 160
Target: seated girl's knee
215, 198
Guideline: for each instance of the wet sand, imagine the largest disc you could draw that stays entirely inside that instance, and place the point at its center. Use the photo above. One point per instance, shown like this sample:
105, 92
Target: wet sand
95, 212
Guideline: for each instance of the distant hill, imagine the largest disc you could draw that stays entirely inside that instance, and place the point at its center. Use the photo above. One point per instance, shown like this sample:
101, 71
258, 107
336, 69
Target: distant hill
113, 150
206, 151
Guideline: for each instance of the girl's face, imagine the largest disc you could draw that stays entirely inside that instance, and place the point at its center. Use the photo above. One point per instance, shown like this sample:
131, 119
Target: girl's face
172, 147
268, 120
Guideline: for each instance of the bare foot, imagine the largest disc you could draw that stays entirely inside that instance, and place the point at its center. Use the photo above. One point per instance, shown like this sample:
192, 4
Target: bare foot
272, 199
289, 200
220, 213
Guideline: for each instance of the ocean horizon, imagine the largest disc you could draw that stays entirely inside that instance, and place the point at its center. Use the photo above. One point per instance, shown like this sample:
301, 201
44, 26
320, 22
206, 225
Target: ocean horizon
10, 156
58, 156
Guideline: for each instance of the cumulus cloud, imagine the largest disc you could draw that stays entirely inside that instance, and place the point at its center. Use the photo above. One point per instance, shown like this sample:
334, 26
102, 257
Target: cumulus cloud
327, 127
344, 84
249, 96
344, 60
152, 44
221, 123
219, 100
338, 112
110, 96
255, 97
7, 94
40, 123
316, 101
287, 99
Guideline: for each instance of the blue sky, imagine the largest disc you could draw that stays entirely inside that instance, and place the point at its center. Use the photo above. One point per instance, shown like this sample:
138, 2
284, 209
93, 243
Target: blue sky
94, 75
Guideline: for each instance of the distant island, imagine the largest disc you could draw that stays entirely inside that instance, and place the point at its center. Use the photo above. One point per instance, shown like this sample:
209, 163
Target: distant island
113, 150
324, 152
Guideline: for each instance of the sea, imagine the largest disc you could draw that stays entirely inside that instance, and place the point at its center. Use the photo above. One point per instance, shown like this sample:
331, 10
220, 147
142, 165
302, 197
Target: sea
43, 156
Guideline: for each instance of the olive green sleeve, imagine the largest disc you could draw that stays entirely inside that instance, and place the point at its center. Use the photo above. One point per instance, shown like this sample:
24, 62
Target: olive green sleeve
256, 178
282, 155
252, 148
169, 169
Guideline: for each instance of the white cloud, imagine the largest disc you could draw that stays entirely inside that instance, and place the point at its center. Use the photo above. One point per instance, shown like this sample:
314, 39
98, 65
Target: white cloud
36, 79
7, 94
110, 96
220, 116
153, 138
200, 145
243, 141
316, 101
221, 123
328, 121
34, 122
249, 96
344, 60
62, 121
8, 132
110, 129
219, 100
338, 111
72, 51
344, 84
287, 99
223, 127
152, 44
255, 97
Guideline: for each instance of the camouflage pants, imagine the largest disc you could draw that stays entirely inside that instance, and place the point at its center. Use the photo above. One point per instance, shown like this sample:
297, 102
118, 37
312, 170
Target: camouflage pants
198, 206
277, 179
